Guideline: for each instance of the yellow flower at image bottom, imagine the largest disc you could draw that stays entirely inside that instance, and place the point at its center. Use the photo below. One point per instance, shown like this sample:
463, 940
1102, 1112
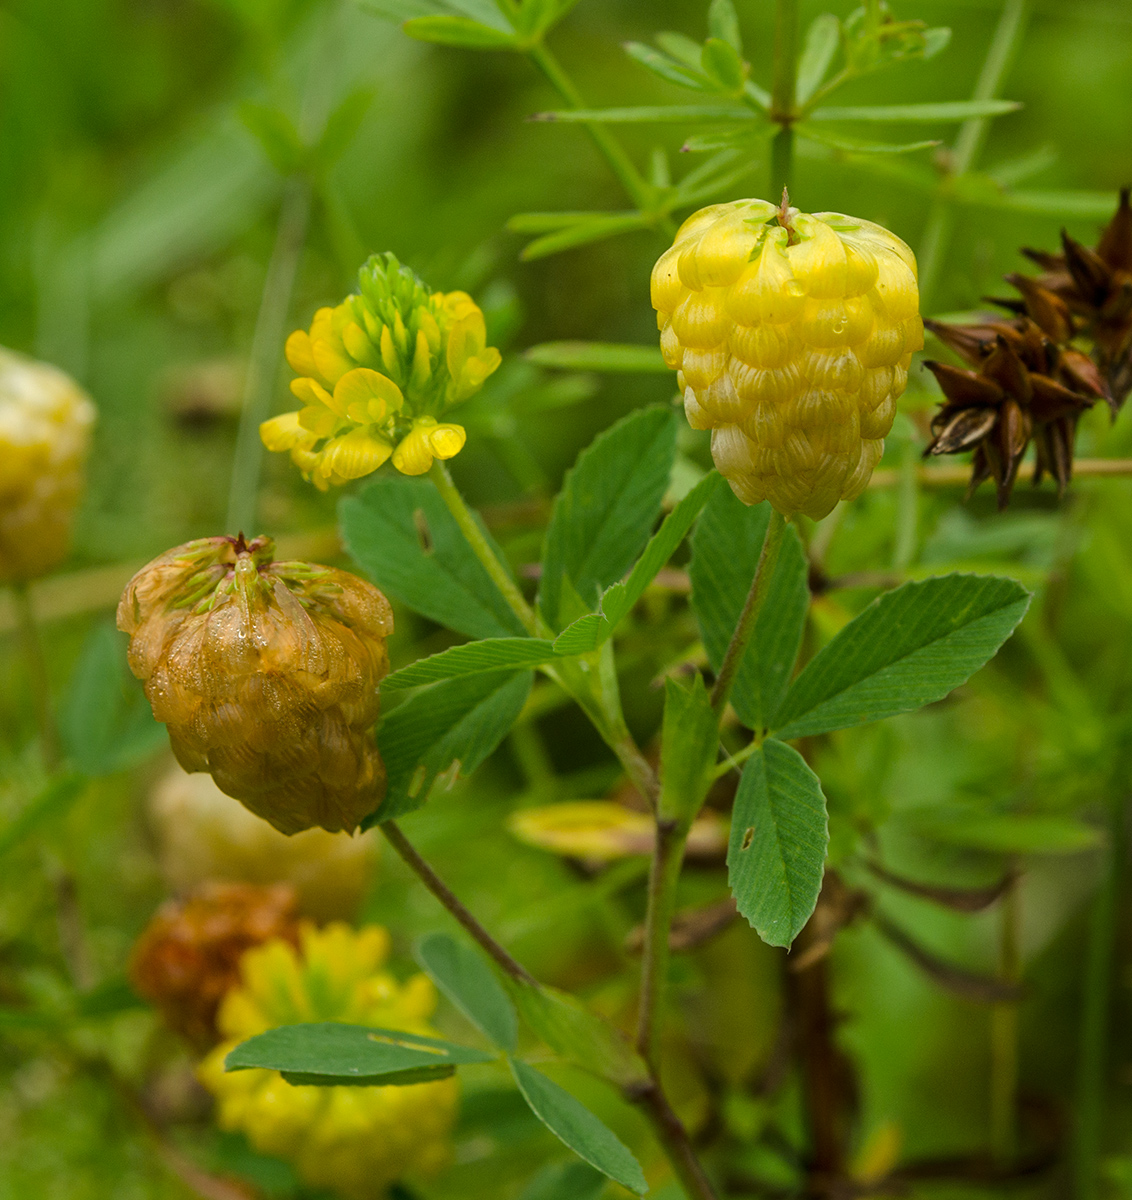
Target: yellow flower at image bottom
355, 1140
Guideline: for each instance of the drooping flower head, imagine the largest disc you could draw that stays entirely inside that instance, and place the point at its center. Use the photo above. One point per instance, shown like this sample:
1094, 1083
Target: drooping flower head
791, 335
45, 425
356, 1140
266, 674
375, 375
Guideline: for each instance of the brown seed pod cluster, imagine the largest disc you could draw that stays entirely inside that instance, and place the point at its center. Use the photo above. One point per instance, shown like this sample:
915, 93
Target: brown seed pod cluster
267, 676
188, 956
1066, 345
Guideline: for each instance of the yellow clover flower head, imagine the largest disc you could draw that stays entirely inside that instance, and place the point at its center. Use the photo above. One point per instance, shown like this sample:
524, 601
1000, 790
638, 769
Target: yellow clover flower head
791, 335
377, 372
45, 427
355, 1140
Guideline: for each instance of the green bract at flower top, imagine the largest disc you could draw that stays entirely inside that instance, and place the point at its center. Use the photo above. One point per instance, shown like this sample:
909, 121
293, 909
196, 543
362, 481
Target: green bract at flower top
375, 375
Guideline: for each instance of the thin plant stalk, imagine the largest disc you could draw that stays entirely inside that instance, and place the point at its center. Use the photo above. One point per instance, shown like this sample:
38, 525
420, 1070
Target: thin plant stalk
32, 645
1004, 1036
972, 135
782, 96
1092, 1058
745, 627
664, 873
267, 342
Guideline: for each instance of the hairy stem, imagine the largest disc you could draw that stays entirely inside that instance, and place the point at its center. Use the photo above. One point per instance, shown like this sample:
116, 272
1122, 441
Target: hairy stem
1004, 1037
622, 166
267, 345
772, 543
664, 873
448, 899
1092, 1060
782, 96
481, 547
49, 745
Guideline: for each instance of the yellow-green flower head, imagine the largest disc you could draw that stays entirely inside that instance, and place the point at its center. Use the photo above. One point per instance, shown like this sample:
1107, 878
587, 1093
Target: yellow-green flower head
792, 335
45, 425
355, 1140
377, 372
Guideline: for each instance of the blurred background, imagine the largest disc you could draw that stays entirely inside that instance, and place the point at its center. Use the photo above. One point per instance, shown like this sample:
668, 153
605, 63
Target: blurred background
138, 215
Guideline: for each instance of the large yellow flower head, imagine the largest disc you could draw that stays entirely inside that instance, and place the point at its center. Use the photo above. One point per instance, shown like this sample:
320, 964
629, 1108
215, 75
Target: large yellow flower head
45, 424
792, 335
375, 375
356, 1140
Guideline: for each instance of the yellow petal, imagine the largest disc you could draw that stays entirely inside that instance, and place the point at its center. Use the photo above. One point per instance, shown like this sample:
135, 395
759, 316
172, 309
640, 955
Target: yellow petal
422, 367
299, 353
354, 454
283, 432
331, 358
359, 347
414, 456
378, 393
309, 391
318, 419
446, 441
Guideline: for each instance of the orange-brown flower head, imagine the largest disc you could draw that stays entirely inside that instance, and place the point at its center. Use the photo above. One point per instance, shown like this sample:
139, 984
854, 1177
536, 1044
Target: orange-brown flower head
375, 375
791, 335
266, 674
1088, 293
45, 425
188, 956
1024, 386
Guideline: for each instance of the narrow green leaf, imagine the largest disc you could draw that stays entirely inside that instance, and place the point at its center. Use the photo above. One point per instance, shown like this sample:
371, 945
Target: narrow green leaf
1003, 833
572, 1123
545, 222
106, 722
474, 658
465, 978
276, 134
402, 535
459, 31
621, 597
578, 1035
723, 23
609, 500
689, 746
597, 356
722, 65
936, 40
341, 126
680, 47
584, 635
910, 647
401, 10
1048, 203
669, 114
822, 39
725, 551
667, 68
330, 1055
779, 834
948, 110
52, 801
565, 1181
854, 145
582, 234
458, 721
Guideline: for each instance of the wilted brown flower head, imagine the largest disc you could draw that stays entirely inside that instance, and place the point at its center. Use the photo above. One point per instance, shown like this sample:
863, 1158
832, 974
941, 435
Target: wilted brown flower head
1024, 386
266, 674
188, 956
1088, 293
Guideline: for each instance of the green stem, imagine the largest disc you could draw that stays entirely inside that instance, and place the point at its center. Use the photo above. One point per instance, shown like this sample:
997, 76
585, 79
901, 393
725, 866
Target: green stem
36, 664
664, 873
782, 96
1004, 1037
266, 353
674, 1140
448, 899
622, 166
1093, 1056
772, 543
481, 547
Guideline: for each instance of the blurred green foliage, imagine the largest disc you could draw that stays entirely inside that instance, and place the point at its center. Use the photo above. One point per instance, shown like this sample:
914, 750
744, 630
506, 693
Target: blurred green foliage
137, 216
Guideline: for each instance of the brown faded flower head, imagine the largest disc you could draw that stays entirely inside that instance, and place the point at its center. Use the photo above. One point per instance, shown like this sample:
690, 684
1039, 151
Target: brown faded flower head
1023, 387
188, 956
266, 674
